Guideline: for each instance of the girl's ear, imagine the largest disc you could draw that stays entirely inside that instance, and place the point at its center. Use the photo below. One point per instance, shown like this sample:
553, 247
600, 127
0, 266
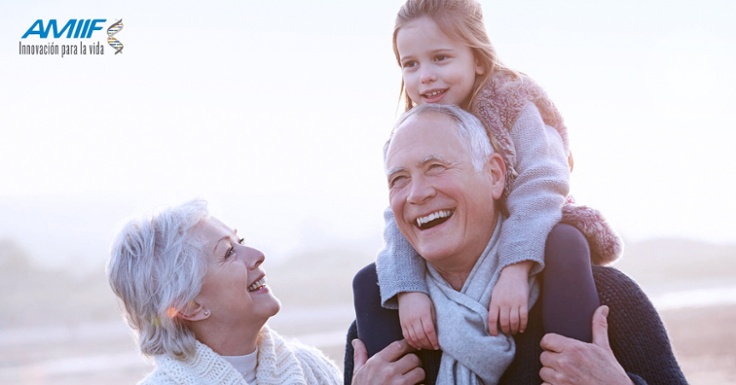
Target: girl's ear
193, 312
497, 171
480, 69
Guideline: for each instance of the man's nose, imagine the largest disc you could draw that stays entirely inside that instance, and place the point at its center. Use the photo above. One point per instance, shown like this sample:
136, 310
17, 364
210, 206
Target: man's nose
420, 190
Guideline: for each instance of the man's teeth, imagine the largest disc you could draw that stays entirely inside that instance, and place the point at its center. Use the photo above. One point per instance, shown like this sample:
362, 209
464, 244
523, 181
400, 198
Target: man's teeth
421, 221
257, 284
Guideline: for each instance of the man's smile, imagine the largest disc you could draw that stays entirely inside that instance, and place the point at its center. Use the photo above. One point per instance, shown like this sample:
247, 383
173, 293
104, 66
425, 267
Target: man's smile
433, 219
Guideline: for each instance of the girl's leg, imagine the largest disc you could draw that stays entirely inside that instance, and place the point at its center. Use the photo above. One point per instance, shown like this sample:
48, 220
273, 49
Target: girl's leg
569, 296
377, 326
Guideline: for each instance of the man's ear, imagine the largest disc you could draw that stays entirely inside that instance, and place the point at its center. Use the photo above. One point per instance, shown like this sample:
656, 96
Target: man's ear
193, 312
497, 171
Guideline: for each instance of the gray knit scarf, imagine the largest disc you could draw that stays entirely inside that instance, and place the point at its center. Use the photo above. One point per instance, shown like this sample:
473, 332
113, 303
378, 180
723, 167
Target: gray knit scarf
469, 354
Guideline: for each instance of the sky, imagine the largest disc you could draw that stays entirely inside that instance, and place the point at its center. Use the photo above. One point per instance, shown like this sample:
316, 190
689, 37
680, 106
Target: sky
276, 112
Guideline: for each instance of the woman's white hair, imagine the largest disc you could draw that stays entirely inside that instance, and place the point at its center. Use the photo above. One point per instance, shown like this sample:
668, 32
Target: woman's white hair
156, 268
471, 131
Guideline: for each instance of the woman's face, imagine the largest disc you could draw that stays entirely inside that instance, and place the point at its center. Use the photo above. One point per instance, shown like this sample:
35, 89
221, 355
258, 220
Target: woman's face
234, 290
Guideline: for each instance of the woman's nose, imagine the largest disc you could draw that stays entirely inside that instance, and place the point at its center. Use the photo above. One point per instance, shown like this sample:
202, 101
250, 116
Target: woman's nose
253, 257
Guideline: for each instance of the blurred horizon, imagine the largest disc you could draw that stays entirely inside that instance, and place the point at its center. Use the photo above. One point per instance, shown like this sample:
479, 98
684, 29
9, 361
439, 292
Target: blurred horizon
74, 232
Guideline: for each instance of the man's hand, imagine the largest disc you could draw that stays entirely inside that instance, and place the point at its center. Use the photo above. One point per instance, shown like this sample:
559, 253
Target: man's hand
510, 300
567, 361
416, 315
394, 365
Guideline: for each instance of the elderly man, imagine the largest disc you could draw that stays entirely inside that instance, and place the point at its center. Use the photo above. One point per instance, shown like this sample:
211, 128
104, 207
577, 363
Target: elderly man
439, 169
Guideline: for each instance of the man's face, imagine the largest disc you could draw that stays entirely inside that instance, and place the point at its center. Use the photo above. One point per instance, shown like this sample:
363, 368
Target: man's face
442, 205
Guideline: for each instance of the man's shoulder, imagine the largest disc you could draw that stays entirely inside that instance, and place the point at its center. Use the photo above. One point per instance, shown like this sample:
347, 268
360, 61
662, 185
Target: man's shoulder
610, 273
613, 282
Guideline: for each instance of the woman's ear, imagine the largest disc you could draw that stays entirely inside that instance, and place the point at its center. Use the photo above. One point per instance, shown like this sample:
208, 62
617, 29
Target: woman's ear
193, 312
497, 171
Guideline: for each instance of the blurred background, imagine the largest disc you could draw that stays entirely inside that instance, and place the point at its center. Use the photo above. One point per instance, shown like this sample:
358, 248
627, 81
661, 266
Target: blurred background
277, 112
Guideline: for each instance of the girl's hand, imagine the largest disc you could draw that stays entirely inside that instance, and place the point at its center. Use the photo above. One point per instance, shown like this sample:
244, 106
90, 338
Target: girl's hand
509, 300
416, 314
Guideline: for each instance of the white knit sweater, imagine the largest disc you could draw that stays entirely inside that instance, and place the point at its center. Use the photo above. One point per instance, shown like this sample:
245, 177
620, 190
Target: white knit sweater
279, 362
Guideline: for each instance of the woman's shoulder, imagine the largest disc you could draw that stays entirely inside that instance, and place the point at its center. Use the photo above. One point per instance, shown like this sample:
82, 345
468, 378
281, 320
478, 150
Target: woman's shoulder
157, 377
305, 354
308, 353
313, 362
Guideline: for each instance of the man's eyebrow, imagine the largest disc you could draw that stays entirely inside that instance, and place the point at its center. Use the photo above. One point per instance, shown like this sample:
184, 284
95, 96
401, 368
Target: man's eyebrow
428, 159
433, 158
394, 170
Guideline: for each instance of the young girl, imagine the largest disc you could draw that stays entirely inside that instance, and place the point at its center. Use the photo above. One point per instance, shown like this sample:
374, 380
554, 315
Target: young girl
446, 57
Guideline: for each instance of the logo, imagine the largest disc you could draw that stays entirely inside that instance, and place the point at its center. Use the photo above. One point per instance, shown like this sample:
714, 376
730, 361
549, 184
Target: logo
83, 30
36, 39
111, 31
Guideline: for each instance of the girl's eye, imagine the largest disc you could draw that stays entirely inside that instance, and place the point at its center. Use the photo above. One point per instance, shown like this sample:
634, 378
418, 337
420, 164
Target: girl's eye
409, 64
441, 57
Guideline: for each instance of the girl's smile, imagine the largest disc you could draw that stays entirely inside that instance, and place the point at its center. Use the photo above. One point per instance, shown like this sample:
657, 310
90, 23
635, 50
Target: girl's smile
435, 68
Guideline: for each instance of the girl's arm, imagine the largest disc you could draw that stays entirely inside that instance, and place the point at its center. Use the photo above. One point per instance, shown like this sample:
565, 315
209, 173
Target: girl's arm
400, 269
401, 281
538, 192
534, 203
509, 307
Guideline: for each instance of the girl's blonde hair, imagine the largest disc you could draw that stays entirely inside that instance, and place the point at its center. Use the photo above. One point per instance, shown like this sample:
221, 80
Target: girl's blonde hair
461, 20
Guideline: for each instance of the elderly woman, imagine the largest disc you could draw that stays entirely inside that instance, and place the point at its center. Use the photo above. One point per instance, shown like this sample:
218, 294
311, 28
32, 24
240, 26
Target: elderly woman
197, 297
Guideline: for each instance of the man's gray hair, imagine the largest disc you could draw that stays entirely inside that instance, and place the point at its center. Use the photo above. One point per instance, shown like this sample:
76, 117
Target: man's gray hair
471, 131
156, 268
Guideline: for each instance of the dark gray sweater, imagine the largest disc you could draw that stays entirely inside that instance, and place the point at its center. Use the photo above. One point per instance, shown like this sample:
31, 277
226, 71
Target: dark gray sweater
636, 333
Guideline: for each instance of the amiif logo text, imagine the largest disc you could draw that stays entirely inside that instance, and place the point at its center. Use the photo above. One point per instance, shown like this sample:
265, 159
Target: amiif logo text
74, 28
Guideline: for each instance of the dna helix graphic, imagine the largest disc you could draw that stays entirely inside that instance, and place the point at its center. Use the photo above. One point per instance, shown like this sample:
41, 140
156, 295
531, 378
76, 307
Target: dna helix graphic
113, 42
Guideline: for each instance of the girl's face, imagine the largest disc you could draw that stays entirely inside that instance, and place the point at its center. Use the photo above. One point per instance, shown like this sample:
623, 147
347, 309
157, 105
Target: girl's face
436, 69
